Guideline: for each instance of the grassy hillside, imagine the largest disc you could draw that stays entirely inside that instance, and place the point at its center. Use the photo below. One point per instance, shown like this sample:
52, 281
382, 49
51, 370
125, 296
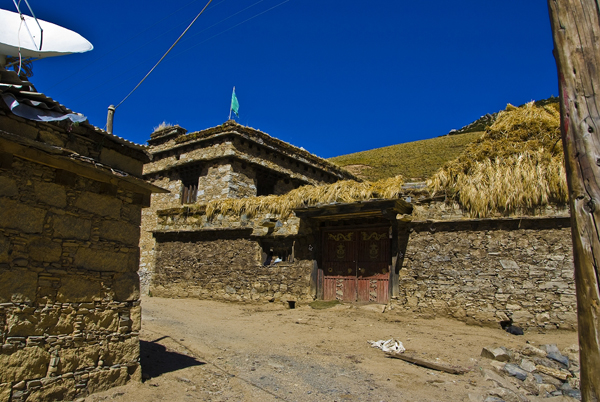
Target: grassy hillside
416, 161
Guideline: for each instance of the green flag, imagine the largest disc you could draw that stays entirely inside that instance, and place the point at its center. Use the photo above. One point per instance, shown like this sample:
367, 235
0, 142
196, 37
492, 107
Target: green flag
235, 105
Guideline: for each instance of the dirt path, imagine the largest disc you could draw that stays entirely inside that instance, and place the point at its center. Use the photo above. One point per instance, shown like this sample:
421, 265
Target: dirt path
204, 350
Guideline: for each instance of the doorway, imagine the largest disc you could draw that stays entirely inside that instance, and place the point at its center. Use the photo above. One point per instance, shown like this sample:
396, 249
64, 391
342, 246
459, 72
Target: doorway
356, 264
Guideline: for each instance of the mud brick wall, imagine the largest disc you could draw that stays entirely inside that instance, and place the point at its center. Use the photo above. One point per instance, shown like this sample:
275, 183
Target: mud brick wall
69, 291
490, 271
226, 269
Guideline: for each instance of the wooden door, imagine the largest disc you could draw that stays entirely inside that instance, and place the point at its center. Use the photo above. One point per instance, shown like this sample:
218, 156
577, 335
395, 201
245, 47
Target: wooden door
373, 263
339, 265
355, 264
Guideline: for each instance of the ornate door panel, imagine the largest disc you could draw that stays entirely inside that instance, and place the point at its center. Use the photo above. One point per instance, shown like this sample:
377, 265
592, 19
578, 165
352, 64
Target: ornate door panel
373, 263
339, 265
355, 264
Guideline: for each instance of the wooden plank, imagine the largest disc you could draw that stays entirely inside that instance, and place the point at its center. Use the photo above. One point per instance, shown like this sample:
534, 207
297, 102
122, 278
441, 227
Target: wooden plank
576, 29
355, 209
329, 288
320, 285
349, 289
411, 357
393, 275
363, 290
314, 275
383, 292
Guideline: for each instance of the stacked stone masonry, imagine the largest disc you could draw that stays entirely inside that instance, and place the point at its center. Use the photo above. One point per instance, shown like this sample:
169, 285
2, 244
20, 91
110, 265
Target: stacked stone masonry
491, 271
69, 291
482, 271
229, 270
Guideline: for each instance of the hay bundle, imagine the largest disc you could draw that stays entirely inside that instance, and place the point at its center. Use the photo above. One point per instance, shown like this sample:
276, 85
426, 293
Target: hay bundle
344, 191
517, 164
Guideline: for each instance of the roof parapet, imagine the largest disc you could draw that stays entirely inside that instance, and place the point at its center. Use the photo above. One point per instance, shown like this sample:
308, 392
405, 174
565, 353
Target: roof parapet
165, 134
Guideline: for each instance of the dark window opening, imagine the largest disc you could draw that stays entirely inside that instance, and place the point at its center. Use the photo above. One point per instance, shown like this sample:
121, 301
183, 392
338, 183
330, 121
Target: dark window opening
189, 191
265, 185
275, 252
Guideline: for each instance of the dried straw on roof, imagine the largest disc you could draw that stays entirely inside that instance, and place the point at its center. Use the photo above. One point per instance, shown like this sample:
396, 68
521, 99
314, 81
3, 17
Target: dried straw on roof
516, 165
344, 191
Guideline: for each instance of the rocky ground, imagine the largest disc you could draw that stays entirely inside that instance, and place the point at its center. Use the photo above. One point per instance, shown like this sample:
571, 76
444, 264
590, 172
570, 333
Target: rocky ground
211, 351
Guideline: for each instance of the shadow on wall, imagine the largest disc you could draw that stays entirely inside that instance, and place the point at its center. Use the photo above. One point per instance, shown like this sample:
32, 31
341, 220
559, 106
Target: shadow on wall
157, 360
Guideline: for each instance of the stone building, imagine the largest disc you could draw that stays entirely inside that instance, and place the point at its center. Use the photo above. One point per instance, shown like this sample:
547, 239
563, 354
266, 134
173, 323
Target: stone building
414, 252
227, 161
71, 197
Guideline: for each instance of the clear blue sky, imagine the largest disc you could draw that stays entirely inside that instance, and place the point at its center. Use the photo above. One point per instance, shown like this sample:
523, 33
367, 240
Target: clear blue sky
334, 77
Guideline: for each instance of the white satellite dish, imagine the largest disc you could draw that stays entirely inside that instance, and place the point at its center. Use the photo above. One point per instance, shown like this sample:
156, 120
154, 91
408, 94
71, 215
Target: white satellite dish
31, 37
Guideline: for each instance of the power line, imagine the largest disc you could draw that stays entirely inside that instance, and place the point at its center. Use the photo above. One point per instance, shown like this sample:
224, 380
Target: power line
229, 29
178, 54
165, 55
94, 62
223, 20
150, 41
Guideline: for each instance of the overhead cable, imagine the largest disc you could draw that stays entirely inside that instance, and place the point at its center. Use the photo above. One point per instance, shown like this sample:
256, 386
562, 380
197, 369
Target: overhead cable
236, 25
127, 54
164, 55
112, 79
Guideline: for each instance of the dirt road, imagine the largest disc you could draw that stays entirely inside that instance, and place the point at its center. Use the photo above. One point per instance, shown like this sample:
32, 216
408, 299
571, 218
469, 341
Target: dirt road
211, 351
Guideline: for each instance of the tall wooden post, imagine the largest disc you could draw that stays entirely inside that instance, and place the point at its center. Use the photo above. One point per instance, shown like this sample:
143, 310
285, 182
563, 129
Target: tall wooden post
576, 32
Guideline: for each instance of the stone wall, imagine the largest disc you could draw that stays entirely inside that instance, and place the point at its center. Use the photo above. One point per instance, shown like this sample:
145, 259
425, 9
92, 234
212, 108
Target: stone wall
488, 271
440, 210
182, 219
226, 180
477, 270
82, 139
228, 268
149, 223
69, 291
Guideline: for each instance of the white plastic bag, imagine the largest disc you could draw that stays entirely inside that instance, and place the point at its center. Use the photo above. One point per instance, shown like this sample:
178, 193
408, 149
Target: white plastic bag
391, 345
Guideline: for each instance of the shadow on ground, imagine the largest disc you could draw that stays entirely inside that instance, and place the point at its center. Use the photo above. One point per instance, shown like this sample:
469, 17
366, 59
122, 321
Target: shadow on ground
156, 360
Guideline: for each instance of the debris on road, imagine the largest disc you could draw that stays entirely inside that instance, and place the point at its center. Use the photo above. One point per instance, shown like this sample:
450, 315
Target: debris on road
414, 359
390, 346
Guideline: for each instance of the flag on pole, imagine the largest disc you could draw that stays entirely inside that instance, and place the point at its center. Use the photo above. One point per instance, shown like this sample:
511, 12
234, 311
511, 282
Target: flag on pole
235, 105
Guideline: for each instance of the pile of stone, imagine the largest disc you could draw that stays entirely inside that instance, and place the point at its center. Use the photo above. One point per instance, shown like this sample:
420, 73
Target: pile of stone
532, 373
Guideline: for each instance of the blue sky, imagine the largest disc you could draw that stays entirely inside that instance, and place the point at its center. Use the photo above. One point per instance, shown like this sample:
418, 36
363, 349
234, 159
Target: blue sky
334, 77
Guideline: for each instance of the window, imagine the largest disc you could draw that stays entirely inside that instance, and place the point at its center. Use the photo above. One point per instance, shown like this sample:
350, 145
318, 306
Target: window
189, 192
265, 185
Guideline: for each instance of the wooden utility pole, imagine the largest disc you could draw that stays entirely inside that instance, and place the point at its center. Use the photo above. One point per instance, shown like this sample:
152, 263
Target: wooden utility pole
576, 32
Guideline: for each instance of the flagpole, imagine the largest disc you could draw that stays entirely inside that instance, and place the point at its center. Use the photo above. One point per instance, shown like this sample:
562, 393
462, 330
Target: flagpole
231, 104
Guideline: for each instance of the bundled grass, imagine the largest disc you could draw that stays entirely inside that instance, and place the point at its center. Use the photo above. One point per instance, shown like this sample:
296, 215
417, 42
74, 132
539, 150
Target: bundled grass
162, 126
342, 191
517, 164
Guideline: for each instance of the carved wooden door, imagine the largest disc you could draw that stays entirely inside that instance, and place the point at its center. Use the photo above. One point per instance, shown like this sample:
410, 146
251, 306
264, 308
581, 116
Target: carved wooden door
355, 264
339, 265
373, 263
